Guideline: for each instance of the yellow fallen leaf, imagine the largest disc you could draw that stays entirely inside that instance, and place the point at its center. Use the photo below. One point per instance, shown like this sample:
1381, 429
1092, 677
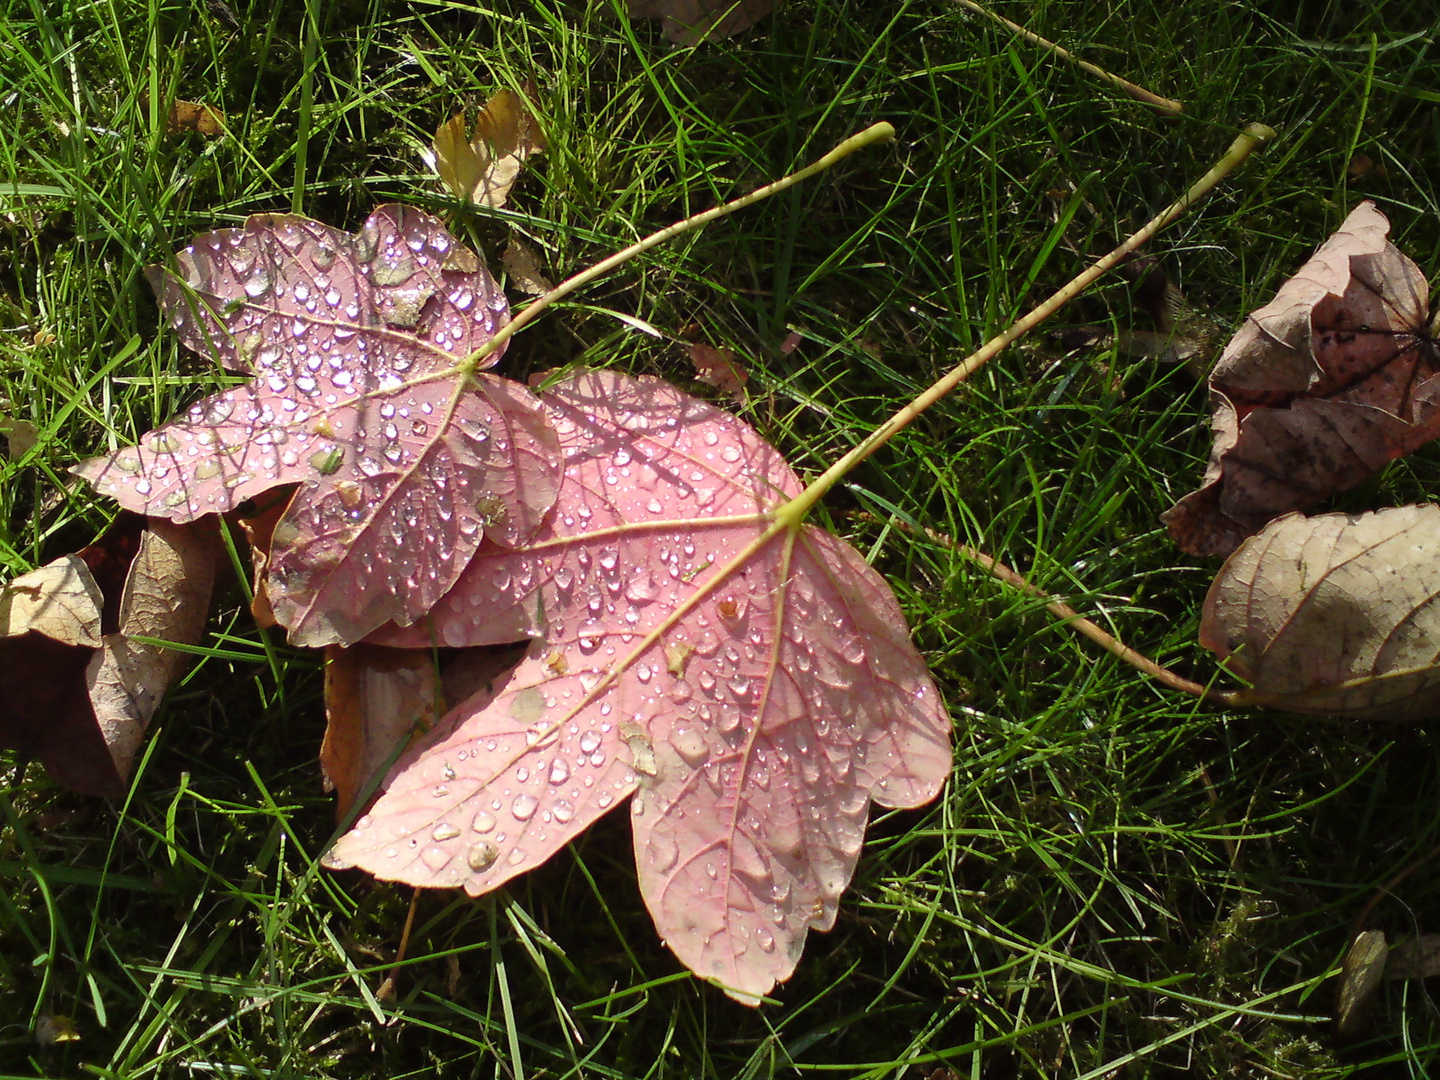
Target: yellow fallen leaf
484, 167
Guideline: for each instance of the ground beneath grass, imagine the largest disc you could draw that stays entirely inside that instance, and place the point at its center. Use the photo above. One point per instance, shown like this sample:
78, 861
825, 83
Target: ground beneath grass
1117, 881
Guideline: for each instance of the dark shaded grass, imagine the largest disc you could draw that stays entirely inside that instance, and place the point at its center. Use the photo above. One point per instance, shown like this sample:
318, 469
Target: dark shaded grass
1116, 877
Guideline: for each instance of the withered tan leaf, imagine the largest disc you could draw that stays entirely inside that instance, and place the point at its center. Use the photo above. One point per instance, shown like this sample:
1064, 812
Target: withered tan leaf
523, 268
1337, 614
194, 116
1321, 388
483, 167
689, 22
167, 597
20, 435
259, 531
60, 600
1360, 977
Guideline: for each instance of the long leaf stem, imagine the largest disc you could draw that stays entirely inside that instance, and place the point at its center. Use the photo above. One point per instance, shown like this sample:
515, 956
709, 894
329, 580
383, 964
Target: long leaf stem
795, 511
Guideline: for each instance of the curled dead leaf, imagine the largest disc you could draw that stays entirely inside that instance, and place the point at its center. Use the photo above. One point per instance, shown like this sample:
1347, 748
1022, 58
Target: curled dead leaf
166, 597
1337, 614
523, 268
60, 600
376, 700
194, 116
20, 435
1360, 977
1321, 388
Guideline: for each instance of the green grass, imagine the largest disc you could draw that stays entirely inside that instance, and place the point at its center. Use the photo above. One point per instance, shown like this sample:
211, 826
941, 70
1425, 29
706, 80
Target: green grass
1116, 878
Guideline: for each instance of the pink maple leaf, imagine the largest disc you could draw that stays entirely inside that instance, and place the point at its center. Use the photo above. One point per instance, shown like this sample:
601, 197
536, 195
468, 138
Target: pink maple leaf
753, 685
405, 458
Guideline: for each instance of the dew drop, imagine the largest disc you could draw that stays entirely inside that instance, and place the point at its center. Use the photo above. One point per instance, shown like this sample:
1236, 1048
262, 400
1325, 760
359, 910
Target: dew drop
444, 831
524, 807
559, 771
483, 822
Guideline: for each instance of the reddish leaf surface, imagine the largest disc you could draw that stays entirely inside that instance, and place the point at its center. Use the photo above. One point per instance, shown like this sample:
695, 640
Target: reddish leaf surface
399, 480
1321, 388
756, 706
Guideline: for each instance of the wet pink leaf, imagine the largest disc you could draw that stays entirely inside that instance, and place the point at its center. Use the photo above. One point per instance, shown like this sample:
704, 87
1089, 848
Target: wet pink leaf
754, 699
399, 479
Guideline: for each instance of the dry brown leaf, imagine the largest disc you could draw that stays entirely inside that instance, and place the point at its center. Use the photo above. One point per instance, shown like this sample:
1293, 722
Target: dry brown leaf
1337, 614
689, 22
167, 596
60, 600
1321, 388
484, 167
523, 269
51, 1029
376, 700
718, 368
194, 116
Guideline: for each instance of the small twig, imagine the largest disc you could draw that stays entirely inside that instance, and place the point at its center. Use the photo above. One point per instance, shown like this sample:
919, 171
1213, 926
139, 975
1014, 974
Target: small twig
387, 988
1139, 93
